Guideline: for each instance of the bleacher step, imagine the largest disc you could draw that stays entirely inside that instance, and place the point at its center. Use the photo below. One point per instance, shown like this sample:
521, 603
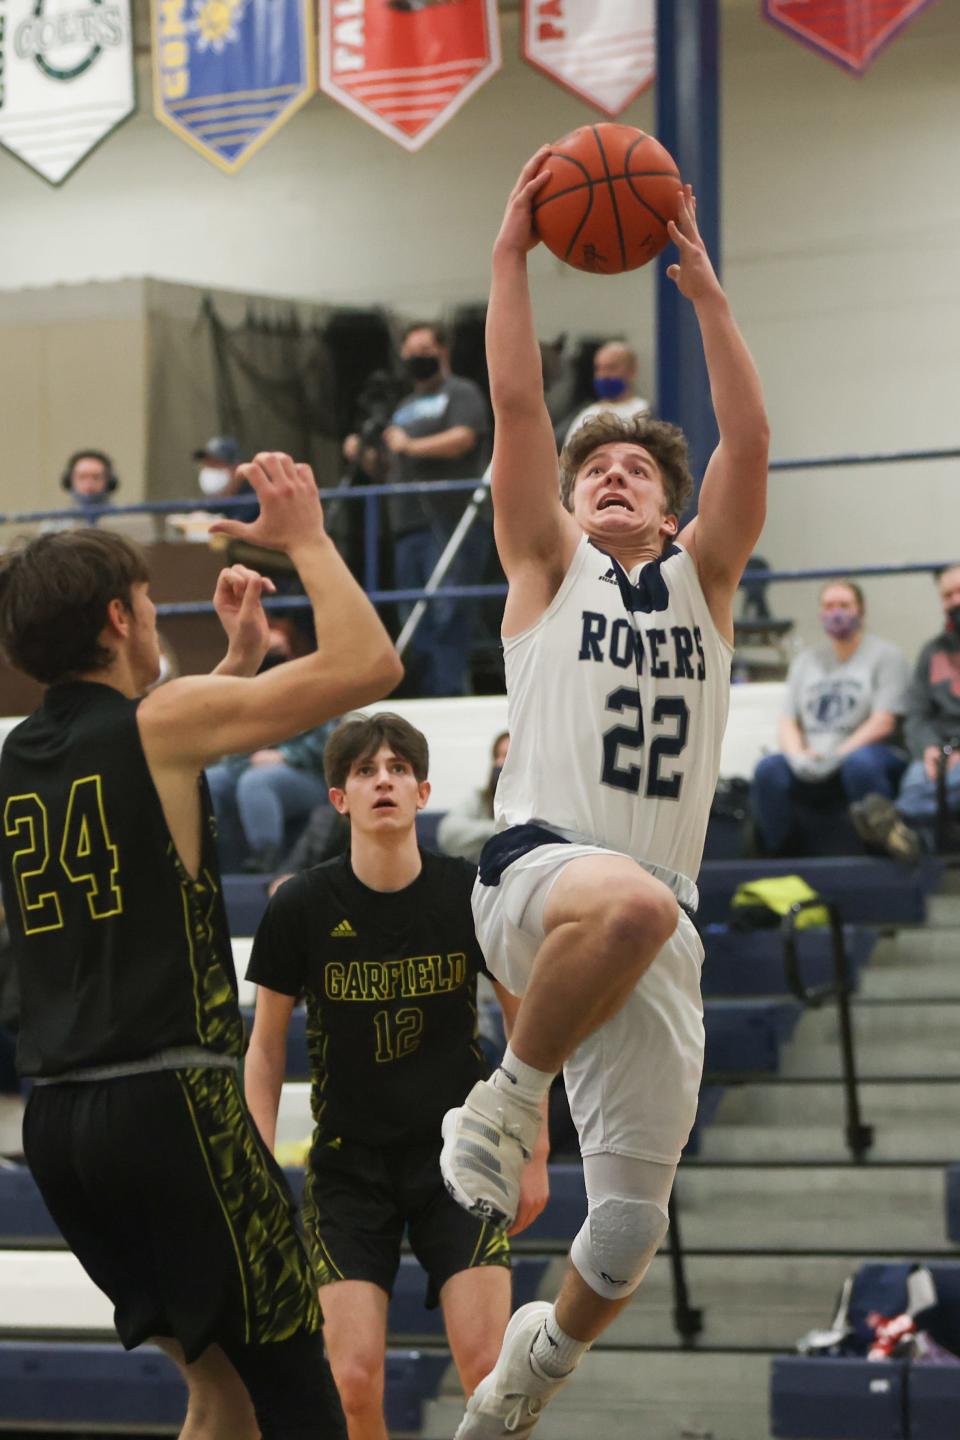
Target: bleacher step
754, 1302
893, 1140
656, 1397
900, 1023
875, 1059
883, 1102
796, 1208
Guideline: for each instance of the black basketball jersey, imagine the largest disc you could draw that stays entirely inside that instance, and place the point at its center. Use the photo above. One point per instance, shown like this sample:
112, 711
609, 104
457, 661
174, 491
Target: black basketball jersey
120, 953
389, 980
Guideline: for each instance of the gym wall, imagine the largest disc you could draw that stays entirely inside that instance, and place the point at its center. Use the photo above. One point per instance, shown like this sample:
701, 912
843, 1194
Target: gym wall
840, 225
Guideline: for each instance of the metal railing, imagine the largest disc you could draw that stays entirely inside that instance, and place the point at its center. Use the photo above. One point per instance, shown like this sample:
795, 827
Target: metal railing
371, 497
859, 1137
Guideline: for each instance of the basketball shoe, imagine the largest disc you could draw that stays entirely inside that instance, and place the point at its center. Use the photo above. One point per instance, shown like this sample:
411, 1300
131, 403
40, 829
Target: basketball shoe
486, 1143
509, 1401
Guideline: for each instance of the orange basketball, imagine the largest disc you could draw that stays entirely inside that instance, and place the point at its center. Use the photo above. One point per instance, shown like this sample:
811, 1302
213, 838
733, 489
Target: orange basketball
611, 191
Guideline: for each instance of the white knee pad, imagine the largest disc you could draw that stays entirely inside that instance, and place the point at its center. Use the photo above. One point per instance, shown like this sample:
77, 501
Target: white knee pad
616, 1243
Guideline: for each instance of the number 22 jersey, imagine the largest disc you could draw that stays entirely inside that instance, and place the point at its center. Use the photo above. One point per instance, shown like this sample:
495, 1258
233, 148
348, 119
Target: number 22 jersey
617, 702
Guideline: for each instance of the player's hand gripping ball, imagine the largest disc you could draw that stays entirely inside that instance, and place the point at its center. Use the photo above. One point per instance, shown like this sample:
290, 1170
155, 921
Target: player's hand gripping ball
611, 191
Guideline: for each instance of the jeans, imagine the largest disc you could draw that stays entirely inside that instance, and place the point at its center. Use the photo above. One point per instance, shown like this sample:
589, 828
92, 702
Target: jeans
917, 801
872, 769
253, 806
442, 641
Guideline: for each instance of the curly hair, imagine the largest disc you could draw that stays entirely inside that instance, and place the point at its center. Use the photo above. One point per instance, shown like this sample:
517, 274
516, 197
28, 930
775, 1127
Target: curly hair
663, 441
54, 593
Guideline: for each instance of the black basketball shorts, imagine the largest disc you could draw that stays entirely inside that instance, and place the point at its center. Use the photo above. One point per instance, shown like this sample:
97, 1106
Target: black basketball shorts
161, 1186
360, 1199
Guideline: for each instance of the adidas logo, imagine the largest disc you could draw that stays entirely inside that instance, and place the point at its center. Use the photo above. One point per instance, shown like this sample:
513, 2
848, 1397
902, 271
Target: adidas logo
344, 931
610, 577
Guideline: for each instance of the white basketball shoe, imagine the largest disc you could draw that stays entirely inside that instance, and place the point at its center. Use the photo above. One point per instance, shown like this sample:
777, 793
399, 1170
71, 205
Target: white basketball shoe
509, 1401
486, 1143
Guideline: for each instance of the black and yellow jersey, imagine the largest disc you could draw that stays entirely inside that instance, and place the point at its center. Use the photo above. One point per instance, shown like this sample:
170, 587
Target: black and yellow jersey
390, 983
120, 953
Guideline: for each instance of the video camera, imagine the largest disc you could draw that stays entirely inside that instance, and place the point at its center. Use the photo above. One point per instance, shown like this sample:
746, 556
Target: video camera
376, 402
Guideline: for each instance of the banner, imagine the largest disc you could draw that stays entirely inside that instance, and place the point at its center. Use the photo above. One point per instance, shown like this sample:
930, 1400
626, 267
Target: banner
66, 79
228, 73
850, 32
406, 66
602, 50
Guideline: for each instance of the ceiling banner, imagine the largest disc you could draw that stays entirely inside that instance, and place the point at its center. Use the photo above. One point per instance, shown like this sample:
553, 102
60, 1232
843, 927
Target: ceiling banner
850, 32
602, 50
66, 79
228, 73
406, 66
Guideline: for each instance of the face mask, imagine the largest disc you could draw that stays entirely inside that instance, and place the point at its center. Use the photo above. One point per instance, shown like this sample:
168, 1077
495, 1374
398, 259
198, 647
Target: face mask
609, 387
495, 773
953, 619
840, 624
422, 367
90, 502
213, 481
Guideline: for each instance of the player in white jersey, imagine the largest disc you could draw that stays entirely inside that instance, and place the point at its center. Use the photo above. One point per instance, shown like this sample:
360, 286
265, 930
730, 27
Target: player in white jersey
618, 634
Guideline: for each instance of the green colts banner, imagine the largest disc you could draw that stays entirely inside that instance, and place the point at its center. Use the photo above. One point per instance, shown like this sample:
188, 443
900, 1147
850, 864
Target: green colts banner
228, 73
66, 79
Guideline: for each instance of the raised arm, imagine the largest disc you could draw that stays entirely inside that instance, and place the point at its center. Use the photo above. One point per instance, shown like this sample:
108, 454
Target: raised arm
733, 496
197, 719
535, 535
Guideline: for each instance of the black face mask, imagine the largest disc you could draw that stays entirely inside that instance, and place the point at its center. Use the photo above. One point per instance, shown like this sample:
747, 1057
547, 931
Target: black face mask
953, 620
422, 367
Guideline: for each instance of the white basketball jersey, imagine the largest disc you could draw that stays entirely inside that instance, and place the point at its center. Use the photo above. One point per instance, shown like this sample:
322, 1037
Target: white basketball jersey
617, 700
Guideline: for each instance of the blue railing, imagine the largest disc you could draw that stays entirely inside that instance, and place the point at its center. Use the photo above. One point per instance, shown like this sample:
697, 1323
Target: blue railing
370, 496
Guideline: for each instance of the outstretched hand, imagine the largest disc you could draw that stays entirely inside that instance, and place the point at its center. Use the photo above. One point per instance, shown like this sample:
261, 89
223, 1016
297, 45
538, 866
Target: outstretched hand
238, 601
517, 230
290, 509
694, 276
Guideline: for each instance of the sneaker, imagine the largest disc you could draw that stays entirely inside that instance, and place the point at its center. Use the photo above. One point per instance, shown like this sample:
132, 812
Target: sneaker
509, 1401
486, 1142
876, 821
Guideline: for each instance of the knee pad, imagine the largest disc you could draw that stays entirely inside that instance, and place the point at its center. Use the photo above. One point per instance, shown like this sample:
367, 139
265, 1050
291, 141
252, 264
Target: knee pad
616, 1243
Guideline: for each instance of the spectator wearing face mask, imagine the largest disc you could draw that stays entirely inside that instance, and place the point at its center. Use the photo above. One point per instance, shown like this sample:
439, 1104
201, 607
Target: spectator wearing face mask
465, 830
439, 431
219, 477
614, 384
932, 720
844, 698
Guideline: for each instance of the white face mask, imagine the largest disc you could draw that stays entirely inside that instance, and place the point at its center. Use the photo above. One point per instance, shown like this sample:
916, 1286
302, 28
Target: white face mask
213, 480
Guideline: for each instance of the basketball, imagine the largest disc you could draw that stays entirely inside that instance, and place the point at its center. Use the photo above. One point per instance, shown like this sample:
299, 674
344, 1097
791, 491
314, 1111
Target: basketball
611, 191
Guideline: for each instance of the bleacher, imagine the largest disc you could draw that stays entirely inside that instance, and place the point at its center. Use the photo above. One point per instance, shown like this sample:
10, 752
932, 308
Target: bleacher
772, 1212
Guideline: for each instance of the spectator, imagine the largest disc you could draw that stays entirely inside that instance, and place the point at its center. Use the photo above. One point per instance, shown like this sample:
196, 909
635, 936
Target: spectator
219, 477
467, 829
89, 480
440, 431
933, 714
614, 384
255, 797
843, 701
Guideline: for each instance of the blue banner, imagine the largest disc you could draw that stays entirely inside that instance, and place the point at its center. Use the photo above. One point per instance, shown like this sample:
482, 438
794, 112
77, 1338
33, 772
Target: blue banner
228, 73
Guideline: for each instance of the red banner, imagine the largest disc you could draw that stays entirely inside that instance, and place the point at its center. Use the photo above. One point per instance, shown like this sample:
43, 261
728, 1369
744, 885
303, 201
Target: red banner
406, 66
850, 32
602, 50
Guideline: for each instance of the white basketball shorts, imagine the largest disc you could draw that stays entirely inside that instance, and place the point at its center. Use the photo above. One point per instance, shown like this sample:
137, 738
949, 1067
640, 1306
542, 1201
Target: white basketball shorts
633, 1084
